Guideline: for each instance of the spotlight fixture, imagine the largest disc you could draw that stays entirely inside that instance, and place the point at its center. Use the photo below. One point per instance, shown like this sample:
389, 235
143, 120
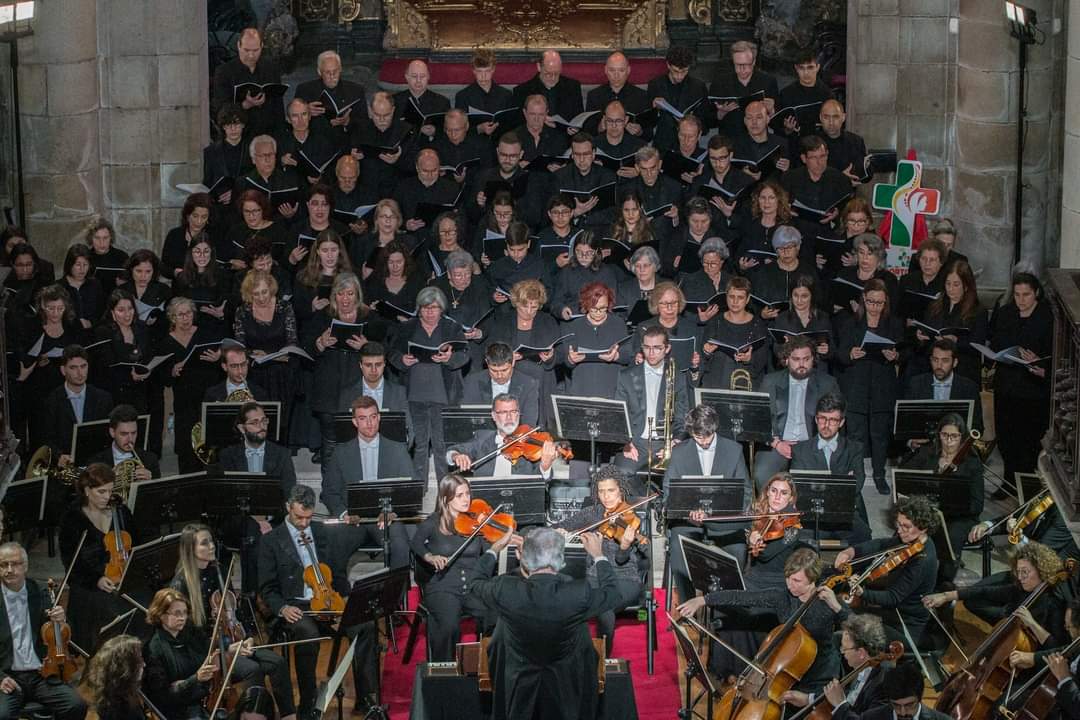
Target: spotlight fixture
1022, 21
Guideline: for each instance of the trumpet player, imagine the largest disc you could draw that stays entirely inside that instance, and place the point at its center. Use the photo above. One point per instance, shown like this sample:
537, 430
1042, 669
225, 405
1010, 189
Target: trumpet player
124, 431
656, 406
74, 402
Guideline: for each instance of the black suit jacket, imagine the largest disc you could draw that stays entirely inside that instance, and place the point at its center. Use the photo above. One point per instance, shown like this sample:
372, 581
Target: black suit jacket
870, 697
727, 461
36, 603
921, 387
777, 385
483, 443
541, 654
58, 418
394, 396
846, 460
281, 571
277, 463
525, 388
149, 459
346, 466
631, 389
885, 712
216, 393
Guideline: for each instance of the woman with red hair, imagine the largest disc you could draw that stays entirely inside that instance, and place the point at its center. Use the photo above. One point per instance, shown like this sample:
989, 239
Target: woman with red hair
598, 349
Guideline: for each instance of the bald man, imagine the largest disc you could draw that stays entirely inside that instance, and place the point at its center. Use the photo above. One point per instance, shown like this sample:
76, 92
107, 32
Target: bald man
846, 149
756, 144
381, 144
460, 149
634, 100
563, 94
265, 113
417, 101
418, 196
336, 104
309, 154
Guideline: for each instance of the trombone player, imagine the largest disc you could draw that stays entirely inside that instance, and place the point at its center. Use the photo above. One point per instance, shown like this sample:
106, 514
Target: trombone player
129, 462
656, 400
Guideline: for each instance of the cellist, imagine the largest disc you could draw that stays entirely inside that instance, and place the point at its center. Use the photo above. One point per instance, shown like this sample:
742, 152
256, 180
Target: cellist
21, 647
284, 553
199, 577
903, 588
801, 572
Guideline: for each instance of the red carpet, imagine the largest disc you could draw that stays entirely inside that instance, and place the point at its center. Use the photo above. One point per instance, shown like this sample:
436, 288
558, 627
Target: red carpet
657, 696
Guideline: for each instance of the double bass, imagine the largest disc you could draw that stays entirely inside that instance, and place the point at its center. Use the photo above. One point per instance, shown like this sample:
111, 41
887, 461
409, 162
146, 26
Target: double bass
972, 692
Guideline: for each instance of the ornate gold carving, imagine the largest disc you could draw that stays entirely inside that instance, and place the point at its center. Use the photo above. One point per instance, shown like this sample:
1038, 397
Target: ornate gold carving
314, 10
735, 10
406, 27
700, 11
646, 26
348, 11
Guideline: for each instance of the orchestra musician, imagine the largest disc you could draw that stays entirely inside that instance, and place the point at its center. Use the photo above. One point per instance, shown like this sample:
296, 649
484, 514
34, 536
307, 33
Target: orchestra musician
443, 586
282, 560
235, 363
25, 608
708, 454
92, 597
199, 578
802, 569
114, 678
500, 376
1030, 565
943, 382
541, 654
862, 637
507, 416
124, 431
950, 453
74, 402
387, 393
1068, 695
903, 687
626, 556
904, 587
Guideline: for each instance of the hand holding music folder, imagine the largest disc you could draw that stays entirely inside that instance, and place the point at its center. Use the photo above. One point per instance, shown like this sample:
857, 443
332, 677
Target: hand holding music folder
872, 342
271, 89
733, 350
578, 121
877, 161
478, 116
339, 109
425, 353
743, 101
703, 304
344, 331
529, 352
606, 195
940, 332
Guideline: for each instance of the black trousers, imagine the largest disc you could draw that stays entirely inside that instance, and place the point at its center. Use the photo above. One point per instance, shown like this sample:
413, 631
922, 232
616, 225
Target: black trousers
445, 610
268, 664
629, 592
1020, 423
329, 437
60, 698
369, 535
873, 430
365, 661
428, 437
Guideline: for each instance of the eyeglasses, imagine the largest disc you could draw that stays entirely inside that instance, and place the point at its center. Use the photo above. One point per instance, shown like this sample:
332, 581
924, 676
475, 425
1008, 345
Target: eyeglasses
950, 435
868, 301
668, 303
826, 420
265, 422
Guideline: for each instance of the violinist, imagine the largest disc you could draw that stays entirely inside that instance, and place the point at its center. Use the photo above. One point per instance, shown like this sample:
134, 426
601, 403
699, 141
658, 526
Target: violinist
92, 599
802, 569
443, 587
626, 555
904, 586
950, 452
507, 416
199, 577
27, 608
903, 685
114, 677
284, 553
1030, 565
769, 539
862, 638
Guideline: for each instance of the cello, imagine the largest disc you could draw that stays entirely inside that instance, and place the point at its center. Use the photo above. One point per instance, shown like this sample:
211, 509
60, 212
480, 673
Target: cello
784, 657
972, 691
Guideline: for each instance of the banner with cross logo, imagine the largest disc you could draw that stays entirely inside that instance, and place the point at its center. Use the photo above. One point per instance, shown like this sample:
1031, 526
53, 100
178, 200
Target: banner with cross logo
906, 200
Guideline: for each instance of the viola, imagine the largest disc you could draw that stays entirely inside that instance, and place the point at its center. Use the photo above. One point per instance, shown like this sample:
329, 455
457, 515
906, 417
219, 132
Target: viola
972, 692
317, 576
118, 545
528, 442
1034, 512
58, 661
481, 518
773, 527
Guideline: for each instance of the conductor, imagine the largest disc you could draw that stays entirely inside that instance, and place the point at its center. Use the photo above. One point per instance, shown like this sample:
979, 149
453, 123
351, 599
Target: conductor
542, 660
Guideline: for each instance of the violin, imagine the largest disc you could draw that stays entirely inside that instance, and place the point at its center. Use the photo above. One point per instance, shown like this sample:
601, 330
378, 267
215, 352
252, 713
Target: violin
317, 576
773, 527
889, 562
58, 661
223, 600
822, 709
616, 521
480, 518
1034, 512
118, 545
972, 692
528, 442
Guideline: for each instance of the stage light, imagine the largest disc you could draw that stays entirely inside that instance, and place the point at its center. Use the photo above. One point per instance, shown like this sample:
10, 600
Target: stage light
1022, 20
21, 11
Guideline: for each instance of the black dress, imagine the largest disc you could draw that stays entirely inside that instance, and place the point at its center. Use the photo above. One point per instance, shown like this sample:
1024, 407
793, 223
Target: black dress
88, 299
89, 608
718, 366
117, 378
594, 377
204, 294
278, 379
188, 388
543, 332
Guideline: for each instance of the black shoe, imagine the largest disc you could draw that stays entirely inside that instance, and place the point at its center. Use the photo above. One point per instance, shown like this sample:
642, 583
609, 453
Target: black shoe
316, 457
882, 486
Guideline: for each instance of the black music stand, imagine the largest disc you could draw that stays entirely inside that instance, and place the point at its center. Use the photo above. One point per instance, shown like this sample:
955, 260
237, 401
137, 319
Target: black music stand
24, 504
150, 567
711, 568
373, 597
120, 625
404, 496
830, 499
744, 416
695, 670
219, 422
592, 420
712, 493
243, 493
918, 419
525, 496
951, 493
461, 423
392, 426
167, 501
90, 438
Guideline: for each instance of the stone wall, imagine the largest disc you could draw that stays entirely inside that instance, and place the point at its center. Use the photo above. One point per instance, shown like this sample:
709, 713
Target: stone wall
952, 96
1069, 255
113, 100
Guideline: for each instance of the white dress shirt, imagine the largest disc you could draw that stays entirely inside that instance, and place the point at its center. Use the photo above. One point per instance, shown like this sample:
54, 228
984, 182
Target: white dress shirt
706, 455
302, 551
78, 402
369, 458
230, 388
653, 378
375, 393
942, 388
795, 425
22, 639
497, 389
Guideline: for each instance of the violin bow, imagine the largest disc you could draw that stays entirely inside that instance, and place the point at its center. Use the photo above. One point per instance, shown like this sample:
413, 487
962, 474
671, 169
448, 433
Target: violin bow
224, 682
701, 629
606, 518
217, 620
476, 531
67, 574
911, 644
153, 708
945, 630
289, 642
515, 438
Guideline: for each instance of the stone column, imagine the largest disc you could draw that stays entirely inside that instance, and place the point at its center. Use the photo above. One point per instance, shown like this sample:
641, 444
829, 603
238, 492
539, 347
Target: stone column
1070, 196
114, 103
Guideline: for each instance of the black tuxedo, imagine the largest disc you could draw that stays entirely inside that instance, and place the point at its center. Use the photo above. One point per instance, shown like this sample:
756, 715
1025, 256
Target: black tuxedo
527, 390
778, 385
149, 459
541, 655
871, 695
484, 443
921, 387
345, 468
563, 99
217, 393
58, 417
36, 605
277, 462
